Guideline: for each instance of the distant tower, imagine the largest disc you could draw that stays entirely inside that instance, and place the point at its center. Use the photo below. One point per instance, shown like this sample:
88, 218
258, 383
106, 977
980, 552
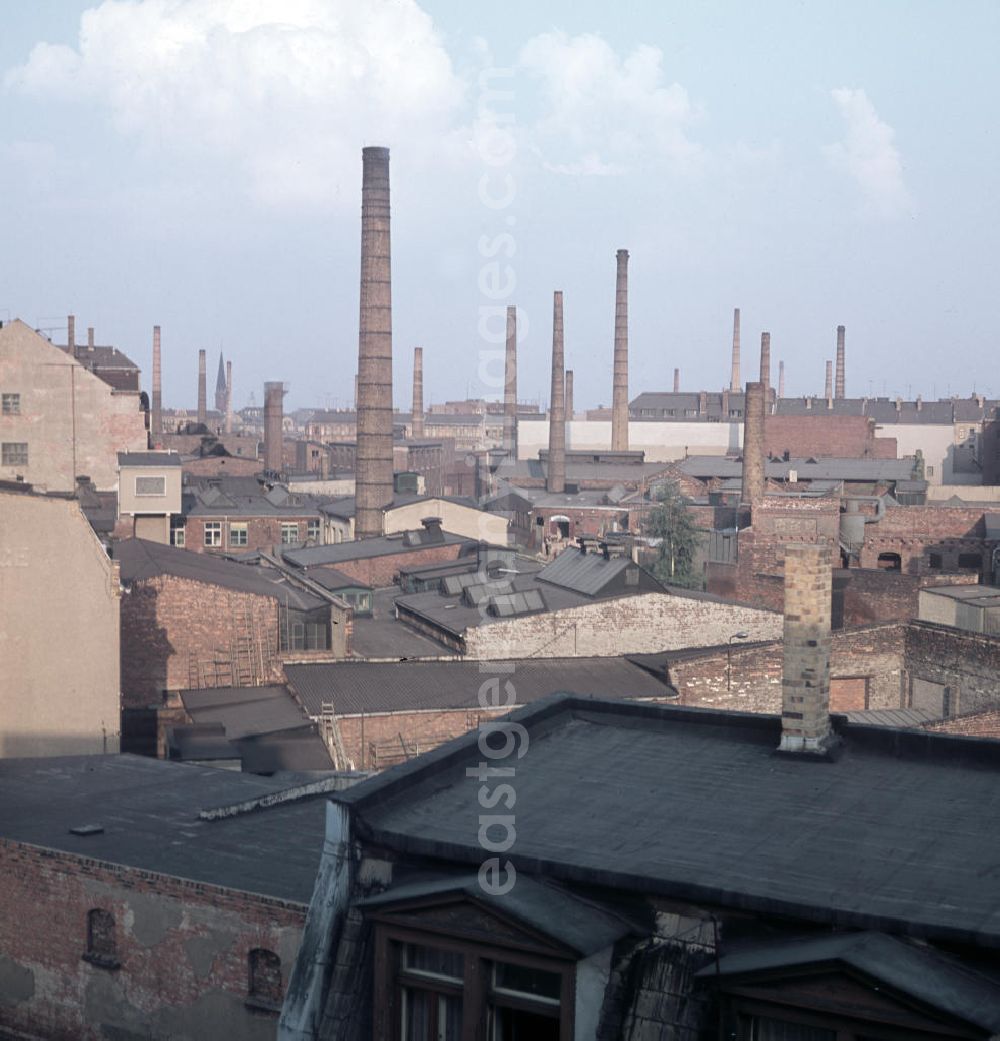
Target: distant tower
510, 386
202, 408
619, 387
839, 387
734, 377
556, 476
220, 387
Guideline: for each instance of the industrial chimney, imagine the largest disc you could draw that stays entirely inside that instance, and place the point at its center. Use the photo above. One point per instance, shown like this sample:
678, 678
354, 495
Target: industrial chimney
619, 390
677, 381
753, 445
734, 378
839, 392
156, 417
90, 337
828, 391
569, 395
274, 408
202, 396
765, 362
229, 397
781, 379
220, 386
556, 480
805, 672
417, 422
374, 396
510, 386
71, 334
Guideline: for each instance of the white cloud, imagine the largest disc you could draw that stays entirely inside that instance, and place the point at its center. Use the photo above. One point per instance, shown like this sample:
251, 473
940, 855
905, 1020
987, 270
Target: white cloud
868, 153
604, 114
288, 90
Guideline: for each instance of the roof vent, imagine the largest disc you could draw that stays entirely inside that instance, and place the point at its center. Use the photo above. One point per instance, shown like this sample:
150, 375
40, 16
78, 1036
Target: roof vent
87, 829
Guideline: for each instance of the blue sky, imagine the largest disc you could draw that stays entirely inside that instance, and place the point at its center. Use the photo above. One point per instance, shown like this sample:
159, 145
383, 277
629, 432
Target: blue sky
196, 164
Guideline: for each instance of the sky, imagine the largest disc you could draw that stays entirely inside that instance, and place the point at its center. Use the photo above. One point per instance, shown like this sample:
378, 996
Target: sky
196, 164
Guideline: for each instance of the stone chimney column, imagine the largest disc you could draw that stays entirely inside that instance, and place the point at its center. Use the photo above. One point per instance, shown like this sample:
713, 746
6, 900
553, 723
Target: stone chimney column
828, 392
510, 386
765, 362
569, 395
202, 393
374, 488
274, 409
805, 674
753, 445
734, 378
417, 423
556, 478
839, 391
619, 395
71, 333
156, 404
781, 379
229, 397
677, 381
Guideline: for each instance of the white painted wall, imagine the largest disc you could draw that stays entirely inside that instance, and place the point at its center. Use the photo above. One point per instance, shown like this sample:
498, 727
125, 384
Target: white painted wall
662, 442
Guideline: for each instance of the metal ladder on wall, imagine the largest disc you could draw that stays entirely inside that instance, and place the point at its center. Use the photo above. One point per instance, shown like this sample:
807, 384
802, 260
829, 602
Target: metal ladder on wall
330, 729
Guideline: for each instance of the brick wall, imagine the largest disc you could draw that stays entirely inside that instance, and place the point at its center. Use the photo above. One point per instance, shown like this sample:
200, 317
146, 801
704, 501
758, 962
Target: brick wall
182, 948
822, 435
915, 532
262, 532
873, 595
968, 664
172, 627
380, 572
222, 466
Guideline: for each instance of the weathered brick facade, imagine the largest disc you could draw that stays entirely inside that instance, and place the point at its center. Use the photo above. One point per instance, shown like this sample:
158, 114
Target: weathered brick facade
263, 533
966, 666
381, 571
826, 436
181, 949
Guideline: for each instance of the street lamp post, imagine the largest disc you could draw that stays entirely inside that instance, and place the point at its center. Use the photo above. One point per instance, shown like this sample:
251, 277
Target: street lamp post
729, 657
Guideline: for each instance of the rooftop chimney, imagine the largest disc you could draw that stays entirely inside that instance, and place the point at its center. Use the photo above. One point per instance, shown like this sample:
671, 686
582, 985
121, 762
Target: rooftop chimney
619, 390
229, 397
734, 379
781, 379
202, 396
569, 395
556, 481
274, 394
510, 386
374, 397
840, 362
90, 337
805, 673
71, 333
677, 381
417, 424
765, 362
753, 445
156, 419
828, 392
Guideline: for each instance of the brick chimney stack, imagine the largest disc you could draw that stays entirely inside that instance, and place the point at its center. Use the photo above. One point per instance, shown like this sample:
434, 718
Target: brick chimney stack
71, 334
781, 379
753, 445
202, 394
734, 378
805, 673
90, 337
417, 423
374, 397
569, 396
765, 362
677, 381
556, 480
840, 362
156, 417
828, 392
274, 408
510, 386
619, 390
229, 397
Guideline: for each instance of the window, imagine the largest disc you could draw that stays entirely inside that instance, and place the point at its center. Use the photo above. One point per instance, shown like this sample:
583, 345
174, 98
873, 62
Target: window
264, 978
312, 529
177, 531
213, 533
11, 404
970, 560
289, 533
150, 486
102, 944
934, 560
237, 533
764, 1028
14, 453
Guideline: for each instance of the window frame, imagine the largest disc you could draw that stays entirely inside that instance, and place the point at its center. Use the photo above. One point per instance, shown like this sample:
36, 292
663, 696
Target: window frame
151, 477
10, 403
239, 533
314, 529
7, 448
286, 528
212, 534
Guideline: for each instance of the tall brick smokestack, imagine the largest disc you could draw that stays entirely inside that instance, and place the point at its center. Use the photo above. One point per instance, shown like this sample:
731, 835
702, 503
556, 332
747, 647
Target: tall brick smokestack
229, 397
274, 409
71, 334
781, 379
556, 480
374, 396
202, 396
753, 445
90, 337
619, 390
569, 395
839, 392
828, 391
677, 381
417, 424
156, 418
510, 386
765, 362
805, 673
734, 376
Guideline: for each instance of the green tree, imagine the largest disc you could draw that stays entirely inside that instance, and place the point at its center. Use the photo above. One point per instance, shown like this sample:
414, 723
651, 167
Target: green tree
672, 523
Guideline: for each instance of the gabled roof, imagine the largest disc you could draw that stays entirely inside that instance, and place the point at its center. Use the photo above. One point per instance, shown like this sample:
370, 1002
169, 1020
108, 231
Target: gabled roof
588, 573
